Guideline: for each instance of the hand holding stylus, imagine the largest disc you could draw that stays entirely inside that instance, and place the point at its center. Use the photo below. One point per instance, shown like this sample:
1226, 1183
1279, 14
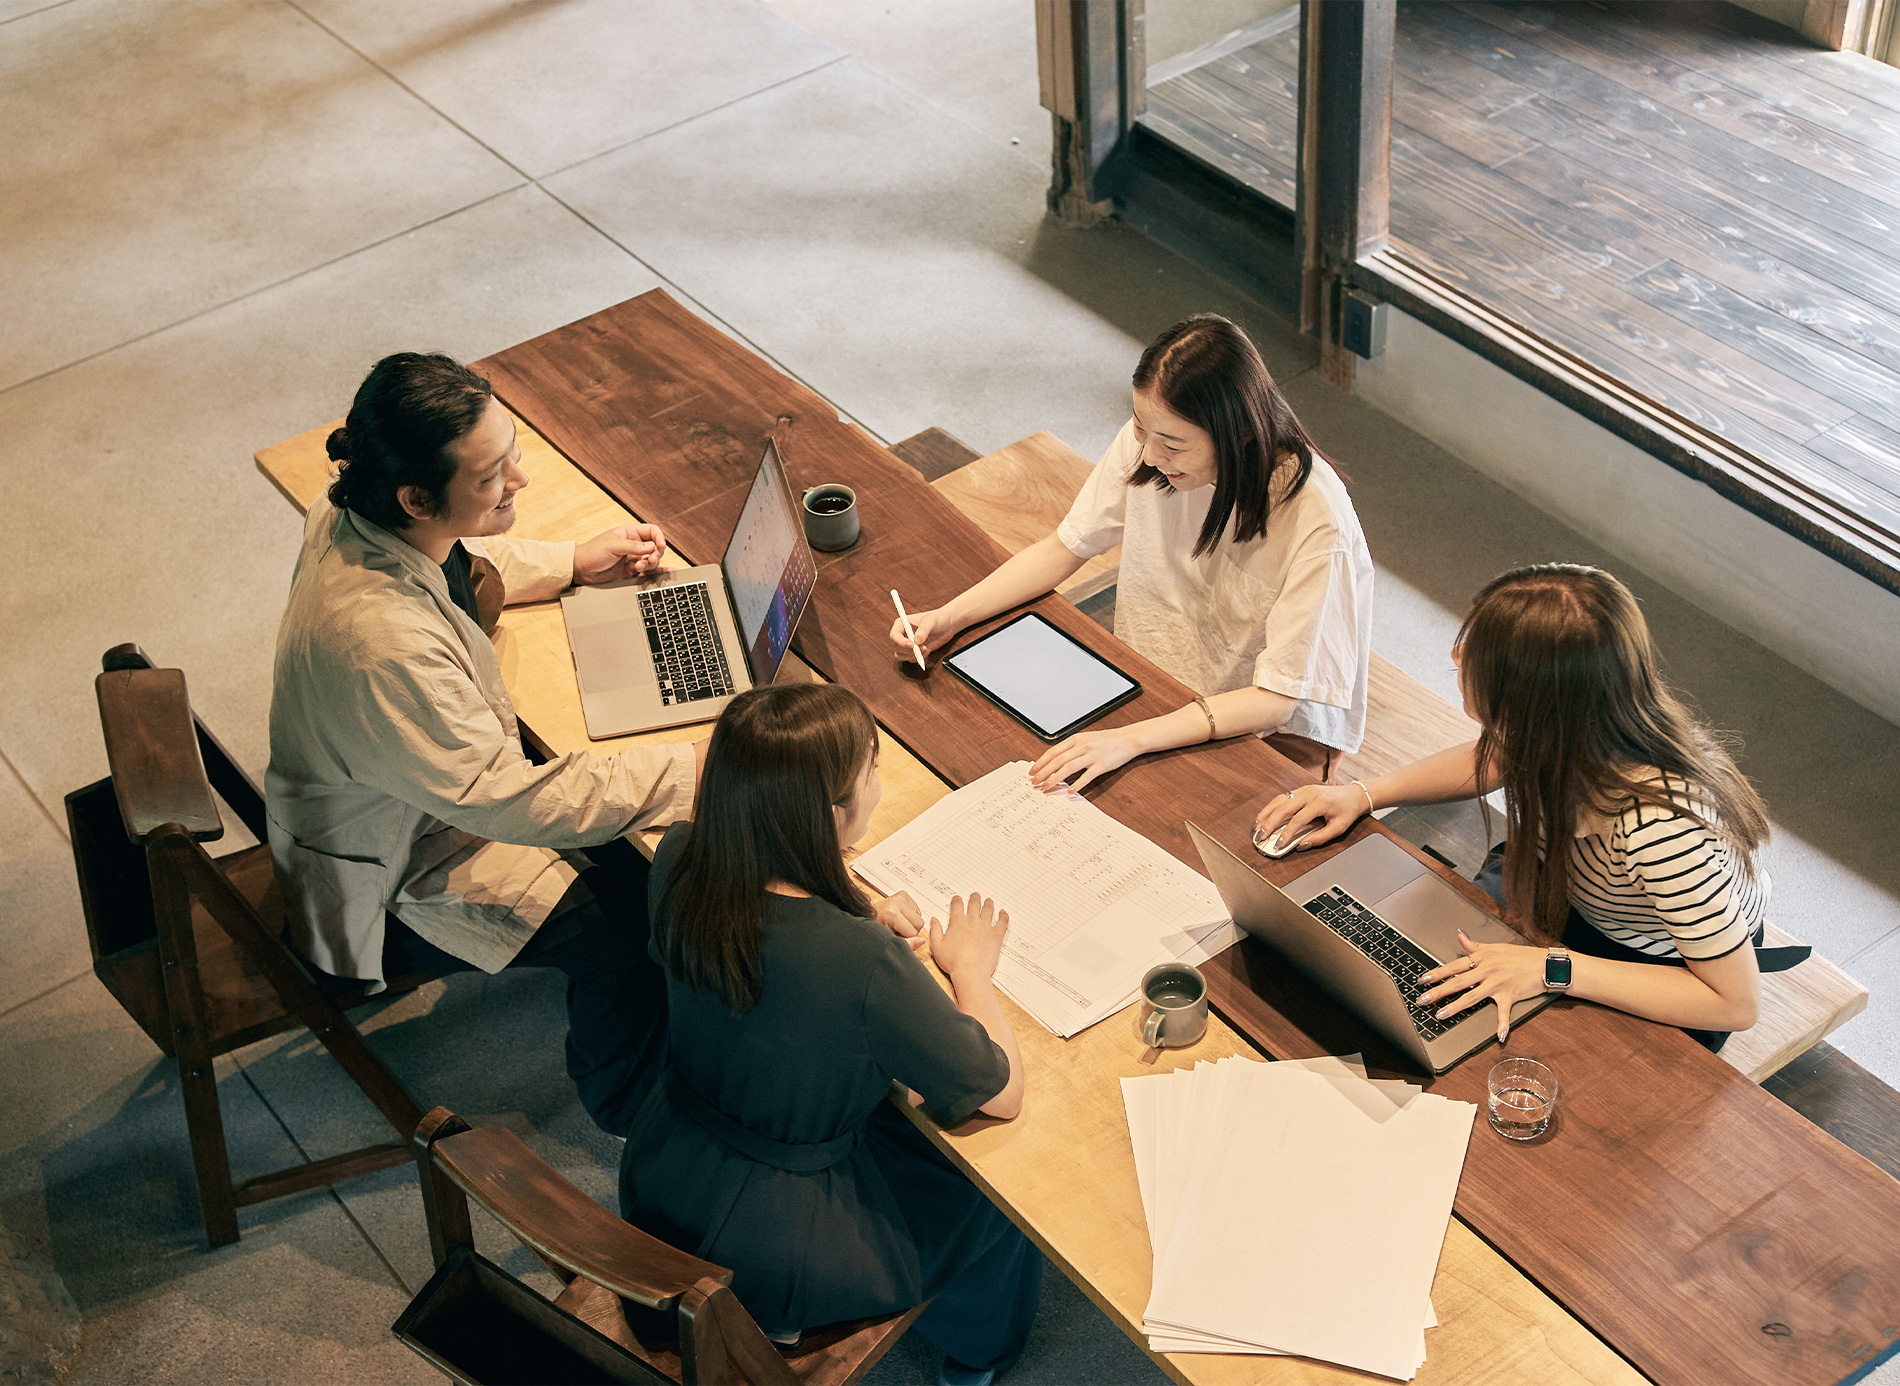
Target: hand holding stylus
910, 633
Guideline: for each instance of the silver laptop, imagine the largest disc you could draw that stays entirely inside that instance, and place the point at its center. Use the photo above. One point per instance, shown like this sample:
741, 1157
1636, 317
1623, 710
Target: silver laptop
1364, 924
676, 647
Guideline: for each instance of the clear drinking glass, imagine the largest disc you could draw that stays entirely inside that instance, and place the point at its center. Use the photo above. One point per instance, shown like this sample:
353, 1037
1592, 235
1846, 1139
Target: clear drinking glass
1523, 1094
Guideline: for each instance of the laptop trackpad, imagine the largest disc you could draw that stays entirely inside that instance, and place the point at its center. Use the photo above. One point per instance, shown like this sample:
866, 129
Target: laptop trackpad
610, 655
1431, 913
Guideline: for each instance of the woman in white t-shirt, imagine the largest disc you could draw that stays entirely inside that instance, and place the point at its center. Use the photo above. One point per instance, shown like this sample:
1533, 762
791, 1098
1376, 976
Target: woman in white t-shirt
1656, 905
1243, 569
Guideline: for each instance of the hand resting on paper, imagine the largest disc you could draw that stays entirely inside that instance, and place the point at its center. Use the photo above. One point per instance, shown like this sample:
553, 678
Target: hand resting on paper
899, 914
976, 932
968, 948
1087, 755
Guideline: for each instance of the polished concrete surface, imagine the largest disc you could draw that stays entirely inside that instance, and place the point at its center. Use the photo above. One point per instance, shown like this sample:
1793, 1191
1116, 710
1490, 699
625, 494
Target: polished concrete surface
218, 213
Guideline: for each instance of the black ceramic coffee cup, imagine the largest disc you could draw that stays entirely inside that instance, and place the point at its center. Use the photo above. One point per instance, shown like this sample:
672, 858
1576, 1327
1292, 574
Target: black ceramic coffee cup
831, 517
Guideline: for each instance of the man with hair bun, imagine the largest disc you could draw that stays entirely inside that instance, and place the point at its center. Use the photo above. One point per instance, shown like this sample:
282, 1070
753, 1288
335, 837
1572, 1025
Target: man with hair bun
409, 830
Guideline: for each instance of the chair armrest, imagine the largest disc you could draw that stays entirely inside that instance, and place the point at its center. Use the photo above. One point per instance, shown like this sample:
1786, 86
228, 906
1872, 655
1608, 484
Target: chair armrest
152, 747
494, 1166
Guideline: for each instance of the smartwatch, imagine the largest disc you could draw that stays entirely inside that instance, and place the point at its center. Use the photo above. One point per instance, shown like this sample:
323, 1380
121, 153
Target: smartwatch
1557, 970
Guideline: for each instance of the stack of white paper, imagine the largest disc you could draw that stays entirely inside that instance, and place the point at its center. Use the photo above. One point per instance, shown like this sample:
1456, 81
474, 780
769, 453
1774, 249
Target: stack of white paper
1295, 1208
1092, 903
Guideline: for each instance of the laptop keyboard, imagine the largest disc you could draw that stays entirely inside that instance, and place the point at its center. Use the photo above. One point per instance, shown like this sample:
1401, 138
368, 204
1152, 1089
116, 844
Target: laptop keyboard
688, 655
1404, 961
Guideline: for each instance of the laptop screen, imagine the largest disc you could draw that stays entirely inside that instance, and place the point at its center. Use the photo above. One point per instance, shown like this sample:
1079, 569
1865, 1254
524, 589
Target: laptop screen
768, 568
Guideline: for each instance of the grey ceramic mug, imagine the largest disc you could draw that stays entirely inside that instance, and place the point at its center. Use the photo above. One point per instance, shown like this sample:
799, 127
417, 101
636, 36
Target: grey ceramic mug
831, 517
1175, 995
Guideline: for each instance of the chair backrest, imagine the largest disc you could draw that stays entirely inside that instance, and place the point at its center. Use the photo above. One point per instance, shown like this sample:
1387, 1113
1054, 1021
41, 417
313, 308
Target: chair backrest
574, 1235
114, 890
165, 766
137, 849
165, 761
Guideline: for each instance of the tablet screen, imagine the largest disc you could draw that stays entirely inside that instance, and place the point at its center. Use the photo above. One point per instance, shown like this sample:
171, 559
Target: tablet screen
1042, 677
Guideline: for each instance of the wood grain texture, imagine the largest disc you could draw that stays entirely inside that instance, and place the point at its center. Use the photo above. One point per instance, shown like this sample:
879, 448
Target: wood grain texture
1564, 31
1020, 493
1626, 141
1763, 174
914, 540
1858, 381
1745, 1214
1498, 1326
1844, 1100
1405, 721
152, 748
1799, 1008
531, 1199
935, 452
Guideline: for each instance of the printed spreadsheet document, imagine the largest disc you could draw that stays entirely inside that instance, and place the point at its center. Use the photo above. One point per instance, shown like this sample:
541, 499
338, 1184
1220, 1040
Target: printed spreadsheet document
1092, 903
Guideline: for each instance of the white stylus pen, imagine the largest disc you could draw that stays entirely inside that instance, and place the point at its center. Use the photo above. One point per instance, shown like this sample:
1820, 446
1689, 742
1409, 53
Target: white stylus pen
909, 634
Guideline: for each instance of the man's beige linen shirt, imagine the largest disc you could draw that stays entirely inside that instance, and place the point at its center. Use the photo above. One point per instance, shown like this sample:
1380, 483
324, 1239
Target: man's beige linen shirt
397, 780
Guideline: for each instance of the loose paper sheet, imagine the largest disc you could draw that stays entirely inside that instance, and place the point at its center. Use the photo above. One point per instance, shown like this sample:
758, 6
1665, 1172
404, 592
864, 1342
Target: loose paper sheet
1294, 1208
1092, 903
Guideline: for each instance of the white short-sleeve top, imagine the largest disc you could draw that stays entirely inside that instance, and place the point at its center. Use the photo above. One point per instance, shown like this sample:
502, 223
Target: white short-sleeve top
1290, 612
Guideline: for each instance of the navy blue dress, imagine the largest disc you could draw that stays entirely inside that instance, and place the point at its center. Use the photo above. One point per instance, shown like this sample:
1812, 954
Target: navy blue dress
769, 1147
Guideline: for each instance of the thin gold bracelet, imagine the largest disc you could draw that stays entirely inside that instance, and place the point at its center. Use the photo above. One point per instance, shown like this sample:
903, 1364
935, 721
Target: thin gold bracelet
1208, 713
1363, 790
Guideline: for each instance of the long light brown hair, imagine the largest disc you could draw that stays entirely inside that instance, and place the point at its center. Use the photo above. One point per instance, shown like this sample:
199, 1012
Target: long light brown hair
1573, 712
1208, 371
781, 758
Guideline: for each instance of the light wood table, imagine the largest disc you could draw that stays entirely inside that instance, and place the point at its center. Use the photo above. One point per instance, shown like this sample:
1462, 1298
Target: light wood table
1063, 1170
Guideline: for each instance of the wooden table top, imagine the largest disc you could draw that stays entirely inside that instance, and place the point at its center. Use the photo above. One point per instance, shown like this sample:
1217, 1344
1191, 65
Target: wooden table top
1064, 1169
1701, 1227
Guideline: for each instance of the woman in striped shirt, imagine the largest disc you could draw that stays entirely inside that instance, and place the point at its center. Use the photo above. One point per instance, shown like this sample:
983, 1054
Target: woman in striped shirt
1658, 901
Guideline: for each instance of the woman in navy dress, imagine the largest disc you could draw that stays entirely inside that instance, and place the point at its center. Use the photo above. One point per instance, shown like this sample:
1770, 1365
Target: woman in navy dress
770, 1147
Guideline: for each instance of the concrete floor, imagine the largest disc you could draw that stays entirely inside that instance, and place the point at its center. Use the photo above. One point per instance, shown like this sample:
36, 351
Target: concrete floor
218, 213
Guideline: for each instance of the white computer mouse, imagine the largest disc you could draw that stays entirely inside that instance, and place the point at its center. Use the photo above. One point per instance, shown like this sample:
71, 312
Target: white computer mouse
1273, 847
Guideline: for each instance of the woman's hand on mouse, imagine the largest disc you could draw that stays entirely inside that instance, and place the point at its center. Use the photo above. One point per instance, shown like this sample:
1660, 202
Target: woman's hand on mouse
1334, 807
1088, 755
933, 628
968, 947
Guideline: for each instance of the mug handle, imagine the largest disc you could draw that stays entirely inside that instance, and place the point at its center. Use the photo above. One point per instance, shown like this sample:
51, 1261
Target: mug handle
1151, 1032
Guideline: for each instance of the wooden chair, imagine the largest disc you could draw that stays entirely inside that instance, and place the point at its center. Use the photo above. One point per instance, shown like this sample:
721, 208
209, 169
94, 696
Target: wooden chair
634, 1308
191, 945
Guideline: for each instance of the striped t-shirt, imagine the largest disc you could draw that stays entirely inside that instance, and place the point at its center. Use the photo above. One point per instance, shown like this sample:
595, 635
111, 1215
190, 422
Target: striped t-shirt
1662, 883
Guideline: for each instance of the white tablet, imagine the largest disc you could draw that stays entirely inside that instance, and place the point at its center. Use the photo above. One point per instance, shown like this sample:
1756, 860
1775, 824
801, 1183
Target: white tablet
1043, 677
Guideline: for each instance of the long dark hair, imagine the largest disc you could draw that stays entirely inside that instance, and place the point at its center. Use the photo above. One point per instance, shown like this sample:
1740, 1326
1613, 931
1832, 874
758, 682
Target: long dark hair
1207, 370
1572, 706
781, 758
408, 410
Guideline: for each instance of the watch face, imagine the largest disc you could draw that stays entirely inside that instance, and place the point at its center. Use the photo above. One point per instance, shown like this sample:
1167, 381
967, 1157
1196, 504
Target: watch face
1556, 971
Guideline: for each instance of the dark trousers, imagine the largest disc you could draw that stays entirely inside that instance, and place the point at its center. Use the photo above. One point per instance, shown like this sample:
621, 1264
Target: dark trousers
616, 994
983, 1277
1581, 936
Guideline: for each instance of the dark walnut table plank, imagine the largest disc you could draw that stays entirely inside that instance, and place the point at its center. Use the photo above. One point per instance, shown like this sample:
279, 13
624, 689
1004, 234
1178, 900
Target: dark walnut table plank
1704, 1230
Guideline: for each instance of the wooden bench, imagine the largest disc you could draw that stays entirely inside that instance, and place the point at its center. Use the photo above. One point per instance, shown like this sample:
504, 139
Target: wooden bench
1020, 493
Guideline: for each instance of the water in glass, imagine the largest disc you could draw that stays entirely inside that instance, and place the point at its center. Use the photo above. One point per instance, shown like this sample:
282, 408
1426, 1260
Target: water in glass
1522, 1094
1520, 1111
